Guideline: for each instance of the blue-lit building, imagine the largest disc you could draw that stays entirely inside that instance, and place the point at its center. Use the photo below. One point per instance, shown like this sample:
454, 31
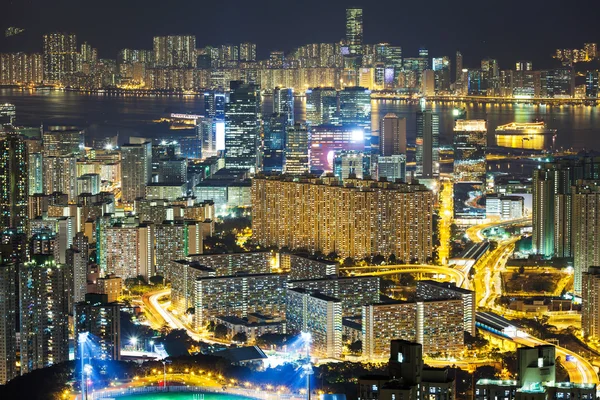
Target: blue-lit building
321, 106
274, 142
283, 103
214, 104
428, 145
351, 164
242, 123
355, 108
591, 84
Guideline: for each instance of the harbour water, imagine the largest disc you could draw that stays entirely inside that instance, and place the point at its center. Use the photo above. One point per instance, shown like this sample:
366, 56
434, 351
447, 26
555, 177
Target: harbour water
106, 115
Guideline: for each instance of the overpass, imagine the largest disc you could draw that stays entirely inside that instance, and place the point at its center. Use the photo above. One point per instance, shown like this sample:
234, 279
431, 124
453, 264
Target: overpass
379, 270
475, 233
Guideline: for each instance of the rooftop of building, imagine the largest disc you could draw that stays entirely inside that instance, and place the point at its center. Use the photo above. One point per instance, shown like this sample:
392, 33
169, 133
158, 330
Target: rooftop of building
445, 285
242, 354
240, 321
315, 294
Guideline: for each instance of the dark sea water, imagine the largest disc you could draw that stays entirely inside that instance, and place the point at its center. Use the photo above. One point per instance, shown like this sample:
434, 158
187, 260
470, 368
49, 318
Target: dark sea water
103, 115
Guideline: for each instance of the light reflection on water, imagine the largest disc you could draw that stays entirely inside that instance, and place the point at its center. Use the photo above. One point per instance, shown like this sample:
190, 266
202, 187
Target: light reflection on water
578, 126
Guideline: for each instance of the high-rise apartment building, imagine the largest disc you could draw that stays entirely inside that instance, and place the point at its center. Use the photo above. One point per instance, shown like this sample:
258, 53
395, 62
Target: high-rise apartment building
320, 316
353, 292
136, 170
552, 206
175, 240
248, 51
63, 141
13, 180
391, 167
8, 322
590, 302
242, 123
392, 138
436, 324
44, 319
60, 56
585, 233
60, 175
354, 30
175, 51
101, 319
434, 290
296, 151
320, 215
128, 250
21, 69
428, 145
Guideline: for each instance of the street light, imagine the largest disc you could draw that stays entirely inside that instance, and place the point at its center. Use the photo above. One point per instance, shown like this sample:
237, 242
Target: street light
165, 362
133, 340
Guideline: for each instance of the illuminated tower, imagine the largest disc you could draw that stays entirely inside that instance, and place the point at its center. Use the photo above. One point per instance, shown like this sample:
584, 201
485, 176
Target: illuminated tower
354, 30
296, 150
321, 106
274, 128
13, 180
8, 309
101, 319
585, 230
248, 52
590, 302
60, 56
175, 51
44, 319
428, 149
136, 170
242, 123
393, 135
283, 103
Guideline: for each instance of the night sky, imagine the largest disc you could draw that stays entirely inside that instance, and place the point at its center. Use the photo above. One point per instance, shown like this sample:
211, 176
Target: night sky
506, 30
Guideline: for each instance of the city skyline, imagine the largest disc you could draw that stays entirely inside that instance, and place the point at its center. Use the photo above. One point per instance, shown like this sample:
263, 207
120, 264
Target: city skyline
445, 31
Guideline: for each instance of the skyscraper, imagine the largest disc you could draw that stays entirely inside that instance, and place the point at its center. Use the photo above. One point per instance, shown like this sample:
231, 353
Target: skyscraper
392, 139
60, 175
136, 170
283, 103
590, 302
8, 310
60, 56
319, 315
585, 229
214, 104
355, 109
248, 52
101, 319
242, 122
175, 51
320, 215
275, 130
13, 180
428, 133
354, 30
321, 106
296, 153
44, 319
